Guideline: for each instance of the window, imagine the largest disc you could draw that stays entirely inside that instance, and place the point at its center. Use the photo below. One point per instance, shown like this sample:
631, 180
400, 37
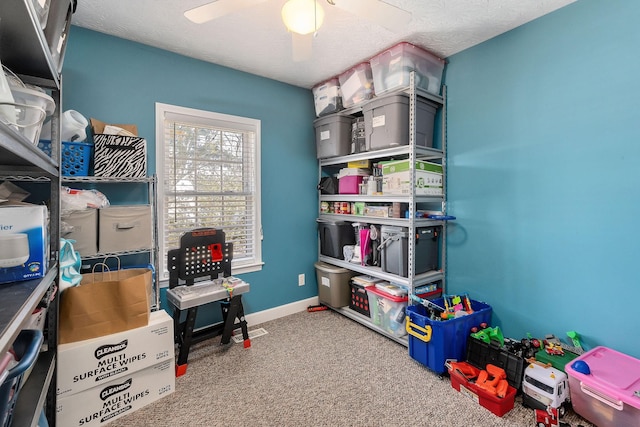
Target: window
208, 166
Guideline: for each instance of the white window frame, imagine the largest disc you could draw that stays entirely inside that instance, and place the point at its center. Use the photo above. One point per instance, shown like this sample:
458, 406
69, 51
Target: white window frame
206, 118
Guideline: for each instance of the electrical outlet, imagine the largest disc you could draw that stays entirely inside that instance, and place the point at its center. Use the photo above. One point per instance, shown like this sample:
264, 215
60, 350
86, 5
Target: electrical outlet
301, 279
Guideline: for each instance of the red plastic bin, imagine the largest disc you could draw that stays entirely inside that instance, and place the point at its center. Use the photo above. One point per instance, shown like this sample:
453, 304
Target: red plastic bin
497, 405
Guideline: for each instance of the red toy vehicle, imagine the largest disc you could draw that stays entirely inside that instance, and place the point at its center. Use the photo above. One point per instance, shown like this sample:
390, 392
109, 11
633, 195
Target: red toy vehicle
549, 418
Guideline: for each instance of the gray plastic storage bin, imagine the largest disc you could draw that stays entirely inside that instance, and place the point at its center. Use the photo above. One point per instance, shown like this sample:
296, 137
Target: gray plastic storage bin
334, 287
386, 122
333, 136
395, 247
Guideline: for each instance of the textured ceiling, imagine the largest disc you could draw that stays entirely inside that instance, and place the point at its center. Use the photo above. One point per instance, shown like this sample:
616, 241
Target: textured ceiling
256, 41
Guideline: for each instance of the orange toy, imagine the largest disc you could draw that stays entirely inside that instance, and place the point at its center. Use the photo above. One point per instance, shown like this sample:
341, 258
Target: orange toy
493, 380
468, 371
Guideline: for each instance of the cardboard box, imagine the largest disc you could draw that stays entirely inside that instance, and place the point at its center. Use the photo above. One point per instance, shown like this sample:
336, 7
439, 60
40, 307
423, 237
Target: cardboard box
90, 363
107, 402
98, 126
82, 226
378, 211
120, 156
23, 242
125, 228
359, 164
396, 176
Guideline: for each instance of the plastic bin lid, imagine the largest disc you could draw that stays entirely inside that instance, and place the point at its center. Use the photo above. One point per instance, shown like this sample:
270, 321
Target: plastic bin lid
330, 221
611, 372
328, 268
383, 294
333, 80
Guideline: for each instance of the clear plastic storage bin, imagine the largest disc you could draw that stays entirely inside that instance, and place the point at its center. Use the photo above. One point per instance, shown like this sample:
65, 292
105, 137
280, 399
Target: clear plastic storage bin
356, 85
391, 69
326, 97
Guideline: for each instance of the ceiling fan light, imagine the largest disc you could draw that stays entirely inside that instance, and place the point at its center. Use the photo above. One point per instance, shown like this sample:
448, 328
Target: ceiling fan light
302, 16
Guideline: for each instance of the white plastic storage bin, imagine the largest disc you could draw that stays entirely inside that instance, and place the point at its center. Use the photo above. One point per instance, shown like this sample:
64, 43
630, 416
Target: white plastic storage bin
386, 122
31, 108
333, 136
356, 85
391, 69
326, 97
334, 287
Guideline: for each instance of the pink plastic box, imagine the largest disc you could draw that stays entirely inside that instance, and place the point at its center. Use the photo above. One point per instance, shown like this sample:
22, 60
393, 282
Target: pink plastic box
349, 184
605, 387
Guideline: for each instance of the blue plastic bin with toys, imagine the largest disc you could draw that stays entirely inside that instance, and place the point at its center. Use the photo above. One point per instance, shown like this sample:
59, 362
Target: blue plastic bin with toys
433, 341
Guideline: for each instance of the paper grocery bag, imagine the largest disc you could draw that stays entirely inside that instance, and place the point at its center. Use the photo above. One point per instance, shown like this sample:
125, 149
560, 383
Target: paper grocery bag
105, 303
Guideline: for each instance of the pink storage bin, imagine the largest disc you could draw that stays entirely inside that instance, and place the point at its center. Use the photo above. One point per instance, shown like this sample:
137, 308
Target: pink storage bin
605, 393
392, 67
356, 85
349, 184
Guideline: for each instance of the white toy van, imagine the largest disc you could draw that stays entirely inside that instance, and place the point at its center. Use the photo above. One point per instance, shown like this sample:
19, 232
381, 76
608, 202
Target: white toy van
544, 386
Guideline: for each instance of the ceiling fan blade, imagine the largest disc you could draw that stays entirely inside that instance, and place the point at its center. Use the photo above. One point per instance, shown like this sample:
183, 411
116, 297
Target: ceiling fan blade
388, 16
217, 9
302, 46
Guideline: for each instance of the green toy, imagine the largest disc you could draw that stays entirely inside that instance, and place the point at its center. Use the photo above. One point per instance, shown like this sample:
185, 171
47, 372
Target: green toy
488, 334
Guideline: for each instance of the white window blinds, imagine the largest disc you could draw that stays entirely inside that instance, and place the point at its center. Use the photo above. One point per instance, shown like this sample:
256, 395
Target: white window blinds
210, 178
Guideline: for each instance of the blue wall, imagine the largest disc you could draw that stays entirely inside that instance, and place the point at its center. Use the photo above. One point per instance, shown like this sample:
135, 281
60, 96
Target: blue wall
119, 81
544, 152
543, 147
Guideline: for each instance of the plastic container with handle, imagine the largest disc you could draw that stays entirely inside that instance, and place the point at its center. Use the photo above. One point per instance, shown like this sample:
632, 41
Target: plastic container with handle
26, 348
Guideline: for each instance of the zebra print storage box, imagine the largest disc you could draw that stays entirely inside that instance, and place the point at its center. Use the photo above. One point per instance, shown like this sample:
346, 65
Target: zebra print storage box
120, 156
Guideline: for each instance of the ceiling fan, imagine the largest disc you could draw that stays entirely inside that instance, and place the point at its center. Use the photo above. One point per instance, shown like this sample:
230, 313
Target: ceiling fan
303, 18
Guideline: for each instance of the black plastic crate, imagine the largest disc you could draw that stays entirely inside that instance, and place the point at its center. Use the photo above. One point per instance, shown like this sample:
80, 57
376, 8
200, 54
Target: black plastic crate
479, 354
359, 299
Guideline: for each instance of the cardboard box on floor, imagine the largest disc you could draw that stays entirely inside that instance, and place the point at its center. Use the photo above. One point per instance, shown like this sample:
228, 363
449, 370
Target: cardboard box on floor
104, 403
90, 363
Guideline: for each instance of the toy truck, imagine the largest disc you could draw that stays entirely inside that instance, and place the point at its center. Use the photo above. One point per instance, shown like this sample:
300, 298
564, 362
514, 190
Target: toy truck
544, 386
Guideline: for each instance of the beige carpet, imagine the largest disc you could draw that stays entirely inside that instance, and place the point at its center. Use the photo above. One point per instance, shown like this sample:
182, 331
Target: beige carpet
317, 369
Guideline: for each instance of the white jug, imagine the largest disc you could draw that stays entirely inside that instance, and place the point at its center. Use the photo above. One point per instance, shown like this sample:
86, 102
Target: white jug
73, 127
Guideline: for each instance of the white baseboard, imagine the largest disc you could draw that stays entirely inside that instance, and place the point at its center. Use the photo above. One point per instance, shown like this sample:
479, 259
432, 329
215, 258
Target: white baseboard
281, 311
